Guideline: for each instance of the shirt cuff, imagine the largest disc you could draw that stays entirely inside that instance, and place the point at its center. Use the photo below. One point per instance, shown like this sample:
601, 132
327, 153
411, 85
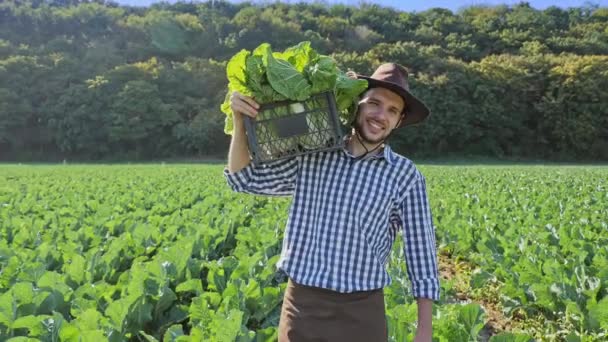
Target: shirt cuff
426, 288
238, 180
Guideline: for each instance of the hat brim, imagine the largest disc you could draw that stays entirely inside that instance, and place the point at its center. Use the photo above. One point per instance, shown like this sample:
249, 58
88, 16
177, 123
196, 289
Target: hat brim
415, 110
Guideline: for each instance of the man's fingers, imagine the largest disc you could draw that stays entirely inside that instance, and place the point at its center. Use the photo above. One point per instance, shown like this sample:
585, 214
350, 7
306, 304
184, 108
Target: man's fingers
236, 96
244, 108
251, 102
243, 104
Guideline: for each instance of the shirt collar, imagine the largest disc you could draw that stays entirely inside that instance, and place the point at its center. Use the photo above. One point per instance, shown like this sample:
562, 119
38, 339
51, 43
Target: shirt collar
387, 153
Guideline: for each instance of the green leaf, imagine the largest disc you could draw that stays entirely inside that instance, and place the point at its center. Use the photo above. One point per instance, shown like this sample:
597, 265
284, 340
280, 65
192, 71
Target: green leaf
22, 339
269, 334
9, 302
117, 312
598, 314
235, 70
139, 314
165, 301
471, 316
33, 324
53, 326
55, 282
75, 269
192, 285
70, 333
480, 278
226, 109
348, 91
227, 327
93, 335
52, 301
129, 313
257, 81
175, 314
542, 295
32, 272
89, 319
510, 337
284, 78
322, 75
573, 337
199, 312
149, 338
173, 333
299, 56
177, 256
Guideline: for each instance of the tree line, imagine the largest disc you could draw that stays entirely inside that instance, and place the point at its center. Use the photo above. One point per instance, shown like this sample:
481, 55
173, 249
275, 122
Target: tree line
94, 80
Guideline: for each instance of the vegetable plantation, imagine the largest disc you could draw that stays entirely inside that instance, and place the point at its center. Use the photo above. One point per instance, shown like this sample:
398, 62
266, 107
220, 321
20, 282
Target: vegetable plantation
168, 252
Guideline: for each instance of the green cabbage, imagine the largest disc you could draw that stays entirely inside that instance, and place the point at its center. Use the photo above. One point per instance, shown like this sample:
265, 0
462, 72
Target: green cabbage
294, 74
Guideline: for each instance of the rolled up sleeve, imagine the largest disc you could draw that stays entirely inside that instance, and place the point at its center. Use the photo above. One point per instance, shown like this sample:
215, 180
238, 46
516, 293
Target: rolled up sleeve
419, 241
276, 178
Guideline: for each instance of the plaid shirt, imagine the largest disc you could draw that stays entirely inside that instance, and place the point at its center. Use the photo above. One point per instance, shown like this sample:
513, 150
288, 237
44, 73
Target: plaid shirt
345, 216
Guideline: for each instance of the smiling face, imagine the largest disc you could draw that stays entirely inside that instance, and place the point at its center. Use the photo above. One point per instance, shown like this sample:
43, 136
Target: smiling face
379, 113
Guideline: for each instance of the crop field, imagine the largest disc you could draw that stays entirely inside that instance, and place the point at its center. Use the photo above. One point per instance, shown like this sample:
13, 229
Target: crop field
169, 252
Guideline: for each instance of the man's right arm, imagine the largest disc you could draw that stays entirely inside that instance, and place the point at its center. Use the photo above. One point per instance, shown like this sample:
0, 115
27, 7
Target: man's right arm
276, 178
238, 155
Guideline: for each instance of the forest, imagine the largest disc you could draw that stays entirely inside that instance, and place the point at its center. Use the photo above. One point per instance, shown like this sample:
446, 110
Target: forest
98, 81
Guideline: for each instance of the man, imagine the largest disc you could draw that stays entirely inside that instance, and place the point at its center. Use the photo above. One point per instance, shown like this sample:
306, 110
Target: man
348, 205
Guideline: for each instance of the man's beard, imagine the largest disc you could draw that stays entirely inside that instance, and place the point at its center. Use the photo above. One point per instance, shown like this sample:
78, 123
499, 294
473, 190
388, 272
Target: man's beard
363, 135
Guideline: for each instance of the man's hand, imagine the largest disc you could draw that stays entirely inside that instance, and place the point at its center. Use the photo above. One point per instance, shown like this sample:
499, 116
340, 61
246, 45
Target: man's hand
238, 155
241, 104
424, 333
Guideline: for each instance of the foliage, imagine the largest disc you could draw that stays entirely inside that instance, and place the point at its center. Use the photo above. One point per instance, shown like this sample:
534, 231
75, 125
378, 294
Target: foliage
144, 253
501, 81
295, 74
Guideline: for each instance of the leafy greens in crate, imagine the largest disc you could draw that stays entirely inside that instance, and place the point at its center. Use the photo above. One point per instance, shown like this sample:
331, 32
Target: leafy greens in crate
295, 74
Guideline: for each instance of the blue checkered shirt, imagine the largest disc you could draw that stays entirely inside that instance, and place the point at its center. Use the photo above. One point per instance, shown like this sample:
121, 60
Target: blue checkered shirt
344, 218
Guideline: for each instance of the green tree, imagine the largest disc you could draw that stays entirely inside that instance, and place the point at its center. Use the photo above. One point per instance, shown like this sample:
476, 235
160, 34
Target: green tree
77, 76
573, 110
81, 120
139, 118
14, 113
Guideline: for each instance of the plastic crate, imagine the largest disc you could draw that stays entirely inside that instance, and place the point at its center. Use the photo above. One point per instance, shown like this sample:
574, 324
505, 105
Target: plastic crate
291, 128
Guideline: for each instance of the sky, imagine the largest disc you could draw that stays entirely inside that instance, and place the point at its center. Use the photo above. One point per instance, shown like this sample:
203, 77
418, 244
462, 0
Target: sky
421, 5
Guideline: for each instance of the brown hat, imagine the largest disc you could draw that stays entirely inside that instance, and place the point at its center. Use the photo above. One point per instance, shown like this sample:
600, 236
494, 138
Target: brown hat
393, 77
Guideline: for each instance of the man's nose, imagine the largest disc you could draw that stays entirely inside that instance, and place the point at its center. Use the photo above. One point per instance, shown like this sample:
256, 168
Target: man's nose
380, 113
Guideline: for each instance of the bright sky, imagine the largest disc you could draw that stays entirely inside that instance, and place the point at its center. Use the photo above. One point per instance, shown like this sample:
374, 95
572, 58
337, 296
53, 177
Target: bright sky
421, 5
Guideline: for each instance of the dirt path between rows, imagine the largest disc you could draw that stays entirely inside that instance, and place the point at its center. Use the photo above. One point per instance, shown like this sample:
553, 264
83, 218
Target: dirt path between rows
459, 271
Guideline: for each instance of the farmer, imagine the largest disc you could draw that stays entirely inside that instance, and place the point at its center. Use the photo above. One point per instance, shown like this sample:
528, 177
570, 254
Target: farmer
348, 206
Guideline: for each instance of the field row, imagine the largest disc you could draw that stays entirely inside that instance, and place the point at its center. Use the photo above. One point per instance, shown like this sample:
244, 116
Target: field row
144, 253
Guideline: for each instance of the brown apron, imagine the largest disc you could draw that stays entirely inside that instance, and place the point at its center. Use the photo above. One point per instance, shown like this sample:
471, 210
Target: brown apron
314, 314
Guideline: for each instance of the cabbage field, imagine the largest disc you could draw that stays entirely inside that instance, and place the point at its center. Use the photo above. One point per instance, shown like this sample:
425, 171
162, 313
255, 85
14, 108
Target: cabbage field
168, 252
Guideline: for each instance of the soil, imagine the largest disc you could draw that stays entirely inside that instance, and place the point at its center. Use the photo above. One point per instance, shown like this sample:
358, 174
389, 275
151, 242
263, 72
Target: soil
496, 321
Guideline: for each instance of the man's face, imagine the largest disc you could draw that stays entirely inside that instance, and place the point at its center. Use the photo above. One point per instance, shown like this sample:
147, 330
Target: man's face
379, 113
